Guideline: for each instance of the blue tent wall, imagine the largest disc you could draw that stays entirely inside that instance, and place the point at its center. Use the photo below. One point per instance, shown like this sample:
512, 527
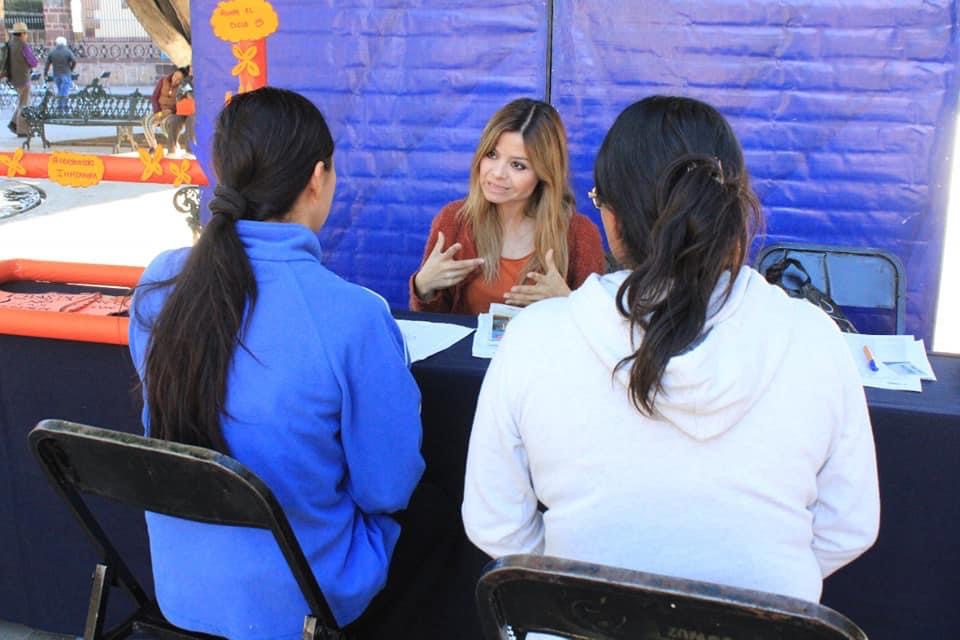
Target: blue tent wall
846, 111
406, 92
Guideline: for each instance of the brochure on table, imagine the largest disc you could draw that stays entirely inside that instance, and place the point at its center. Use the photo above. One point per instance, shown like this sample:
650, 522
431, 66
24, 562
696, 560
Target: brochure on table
490, 328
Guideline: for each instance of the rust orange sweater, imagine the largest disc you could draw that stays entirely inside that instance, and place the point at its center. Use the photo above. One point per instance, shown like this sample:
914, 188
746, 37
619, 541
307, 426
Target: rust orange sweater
583, 243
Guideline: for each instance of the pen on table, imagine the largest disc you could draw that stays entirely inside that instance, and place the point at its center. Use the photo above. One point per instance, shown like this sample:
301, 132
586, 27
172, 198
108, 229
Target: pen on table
870, 359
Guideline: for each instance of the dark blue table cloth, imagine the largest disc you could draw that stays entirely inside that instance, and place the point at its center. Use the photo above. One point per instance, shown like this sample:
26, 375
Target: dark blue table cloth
905, 587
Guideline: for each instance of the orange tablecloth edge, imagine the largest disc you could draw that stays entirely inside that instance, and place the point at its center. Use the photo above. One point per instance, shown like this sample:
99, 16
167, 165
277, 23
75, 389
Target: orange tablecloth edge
66, 326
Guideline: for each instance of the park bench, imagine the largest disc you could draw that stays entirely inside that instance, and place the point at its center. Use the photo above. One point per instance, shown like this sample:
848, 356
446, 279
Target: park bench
91, 106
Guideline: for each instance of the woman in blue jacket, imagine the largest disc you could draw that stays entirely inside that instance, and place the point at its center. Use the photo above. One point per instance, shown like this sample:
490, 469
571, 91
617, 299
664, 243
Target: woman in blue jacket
247, 344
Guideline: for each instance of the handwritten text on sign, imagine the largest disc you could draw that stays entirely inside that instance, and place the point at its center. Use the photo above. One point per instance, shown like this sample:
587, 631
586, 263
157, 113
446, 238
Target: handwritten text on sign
74, 169
237, 20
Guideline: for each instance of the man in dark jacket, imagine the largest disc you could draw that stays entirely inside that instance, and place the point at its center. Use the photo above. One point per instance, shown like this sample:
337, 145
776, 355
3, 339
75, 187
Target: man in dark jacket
63, 61
22, 61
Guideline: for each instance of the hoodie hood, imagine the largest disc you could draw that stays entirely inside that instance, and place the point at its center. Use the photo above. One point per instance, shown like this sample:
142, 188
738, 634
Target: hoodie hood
708, 388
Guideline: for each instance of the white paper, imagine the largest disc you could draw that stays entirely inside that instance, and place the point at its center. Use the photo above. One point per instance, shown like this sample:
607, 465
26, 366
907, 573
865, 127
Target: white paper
424, 339
490, 328
901, 361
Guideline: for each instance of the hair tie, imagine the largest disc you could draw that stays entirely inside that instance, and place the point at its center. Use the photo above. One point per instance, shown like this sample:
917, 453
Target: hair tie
705, 162
228, 202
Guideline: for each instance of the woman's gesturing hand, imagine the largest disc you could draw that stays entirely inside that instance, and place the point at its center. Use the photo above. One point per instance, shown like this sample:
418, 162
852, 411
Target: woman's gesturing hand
440, 270
547, 285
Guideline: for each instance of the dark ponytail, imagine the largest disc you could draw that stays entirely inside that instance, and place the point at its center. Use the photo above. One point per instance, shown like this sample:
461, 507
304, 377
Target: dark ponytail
193, 338
671, 171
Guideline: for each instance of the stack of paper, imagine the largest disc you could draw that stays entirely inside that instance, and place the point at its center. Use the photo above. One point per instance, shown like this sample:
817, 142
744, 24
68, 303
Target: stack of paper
490, 328
900, 361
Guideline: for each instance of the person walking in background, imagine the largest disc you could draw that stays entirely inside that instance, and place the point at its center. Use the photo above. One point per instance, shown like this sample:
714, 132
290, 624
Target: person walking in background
63, 62
21, 60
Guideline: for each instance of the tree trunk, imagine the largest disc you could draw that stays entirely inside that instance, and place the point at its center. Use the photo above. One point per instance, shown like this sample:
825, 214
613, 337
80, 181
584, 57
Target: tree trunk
168, 24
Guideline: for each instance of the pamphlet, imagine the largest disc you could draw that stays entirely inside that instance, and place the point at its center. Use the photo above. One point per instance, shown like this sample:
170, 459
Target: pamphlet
490, 328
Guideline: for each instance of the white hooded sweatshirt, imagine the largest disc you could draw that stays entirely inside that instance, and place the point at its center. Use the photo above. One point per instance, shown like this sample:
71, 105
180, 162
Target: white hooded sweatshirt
760, 472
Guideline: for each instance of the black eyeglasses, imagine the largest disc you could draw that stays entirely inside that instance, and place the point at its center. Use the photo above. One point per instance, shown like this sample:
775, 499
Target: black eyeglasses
594, 198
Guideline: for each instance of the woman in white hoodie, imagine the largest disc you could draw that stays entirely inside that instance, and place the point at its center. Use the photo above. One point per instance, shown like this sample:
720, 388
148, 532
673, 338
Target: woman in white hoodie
681, 416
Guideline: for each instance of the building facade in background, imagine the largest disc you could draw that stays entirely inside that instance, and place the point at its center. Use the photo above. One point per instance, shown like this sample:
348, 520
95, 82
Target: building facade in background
104, 35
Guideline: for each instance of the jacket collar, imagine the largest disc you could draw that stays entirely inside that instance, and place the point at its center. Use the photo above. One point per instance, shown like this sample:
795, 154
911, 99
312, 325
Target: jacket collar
280, 241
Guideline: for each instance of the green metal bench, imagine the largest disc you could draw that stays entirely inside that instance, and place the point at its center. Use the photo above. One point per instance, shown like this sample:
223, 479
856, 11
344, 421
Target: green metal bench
91, 106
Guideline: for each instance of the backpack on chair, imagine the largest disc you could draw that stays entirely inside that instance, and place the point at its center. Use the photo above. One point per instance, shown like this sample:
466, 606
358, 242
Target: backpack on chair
790, 275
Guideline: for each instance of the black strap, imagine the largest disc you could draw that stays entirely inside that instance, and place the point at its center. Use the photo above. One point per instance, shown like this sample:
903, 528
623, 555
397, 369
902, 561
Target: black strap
791, 276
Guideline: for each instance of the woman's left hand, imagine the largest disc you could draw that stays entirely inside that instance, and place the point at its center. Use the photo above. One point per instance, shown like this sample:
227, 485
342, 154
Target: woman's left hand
547, 285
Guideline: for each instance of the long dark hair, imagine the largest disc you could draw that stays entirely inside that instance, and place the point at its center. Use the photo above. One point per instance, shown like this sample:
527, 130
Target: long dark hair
266, 146
671, 172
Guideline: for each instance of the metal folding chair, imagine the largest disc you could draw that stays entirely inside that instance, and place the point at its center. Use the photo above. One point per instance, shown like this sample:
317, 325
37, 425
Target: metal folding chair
173, 479
520, 594
864, 282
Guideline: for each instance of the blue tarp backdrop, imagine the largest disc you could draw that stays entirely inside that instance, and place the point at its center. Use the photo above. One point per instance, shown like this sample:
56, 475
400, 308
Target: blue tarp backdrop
846, 110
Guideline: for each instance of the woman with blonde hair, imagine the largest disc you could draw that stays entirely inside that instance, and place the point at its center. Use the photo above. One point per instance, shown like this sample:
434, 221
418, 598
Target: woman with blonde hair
517, 237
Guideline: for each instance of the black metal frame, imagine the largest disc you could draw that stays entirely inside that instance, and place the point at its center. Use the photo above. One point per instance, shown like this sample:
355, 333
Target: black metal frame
822, 253
173, 479
186, 200
527, 593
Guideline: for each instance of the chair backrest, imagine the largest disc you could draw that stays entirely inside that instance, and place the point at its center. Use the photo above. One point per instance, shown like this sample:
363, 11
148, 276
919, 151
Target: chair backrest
169, 478
525, 593
861, 280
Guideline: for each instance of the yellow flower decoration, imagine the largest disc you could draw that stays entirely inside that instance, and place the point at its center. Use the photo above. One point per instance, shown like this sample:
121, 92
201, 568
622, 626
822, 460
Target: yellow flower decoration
181, 174
13, 165
245, 63
151, 164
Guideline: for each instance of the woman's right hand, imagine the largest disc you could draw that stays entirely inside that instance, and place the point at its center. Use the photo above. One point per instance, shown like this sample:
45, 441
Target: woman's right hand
440, 270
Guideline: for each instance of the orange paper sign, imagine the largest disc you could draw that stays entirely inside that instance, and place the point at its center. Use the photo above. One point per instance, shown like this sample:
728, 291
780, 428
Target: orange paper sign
239, 20
74, 169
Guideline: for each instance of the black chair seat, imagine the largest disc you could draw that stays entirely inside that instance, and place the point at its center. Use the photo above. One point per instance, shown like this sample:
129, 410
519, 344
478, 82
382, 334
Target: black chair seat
520, 594
173, 479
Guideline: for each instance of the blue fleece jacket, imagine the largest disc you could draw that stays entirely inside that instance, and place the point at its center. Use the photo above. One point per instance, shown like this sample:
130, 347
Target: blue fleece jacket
322, 407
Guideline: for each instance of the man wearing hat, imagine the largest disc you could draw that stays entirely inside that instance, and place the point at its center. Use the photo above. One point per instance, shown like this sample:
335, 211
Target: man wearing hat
22, 61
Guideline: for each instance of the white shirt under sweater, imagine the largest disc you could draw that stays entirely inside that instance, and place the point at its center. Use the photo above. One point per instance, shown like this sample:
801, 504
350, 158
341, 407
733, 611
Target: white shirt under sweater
760, 474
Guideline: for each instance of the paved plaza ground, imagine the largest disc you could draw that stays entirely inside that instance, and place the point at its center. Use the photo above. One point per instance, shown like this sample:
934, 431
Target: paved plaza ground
110, 223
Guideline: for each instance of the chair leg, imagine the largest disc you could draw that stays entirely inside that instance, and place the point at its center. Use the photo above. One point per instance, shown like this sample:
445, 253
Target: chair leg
313, 630
97, 607
309, 628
